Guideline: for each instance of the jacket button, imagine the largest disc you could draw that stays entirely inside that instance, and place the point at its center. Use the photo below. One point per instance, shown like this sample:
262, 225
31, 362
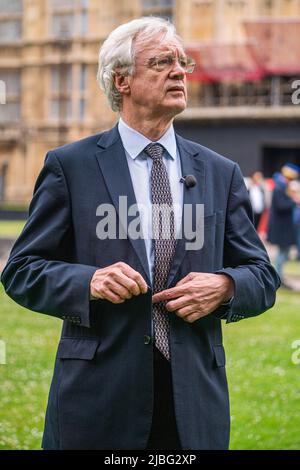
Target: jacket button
147, 339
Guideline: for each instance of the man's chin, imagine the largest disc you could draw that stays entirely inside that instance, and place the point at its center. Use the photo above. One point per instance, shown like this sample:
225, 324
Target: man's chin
177, 106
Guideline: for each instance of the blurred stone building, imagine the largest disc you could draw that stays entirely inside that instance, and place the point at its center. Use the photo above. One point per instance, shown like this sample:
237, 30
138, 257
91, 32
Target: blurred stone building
247, 53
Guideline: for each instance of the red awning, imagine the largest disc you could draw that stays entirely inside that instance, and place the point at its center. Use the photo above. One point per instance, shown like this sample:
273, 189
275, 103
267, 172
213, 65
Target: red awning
271, 48
276, 44
224, 62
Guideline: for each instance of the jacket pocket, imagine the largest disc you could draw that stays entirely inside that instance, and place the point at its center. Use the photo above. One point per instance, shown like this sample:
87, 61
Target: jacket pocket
219, 354
209, 219
77, 348
216, 217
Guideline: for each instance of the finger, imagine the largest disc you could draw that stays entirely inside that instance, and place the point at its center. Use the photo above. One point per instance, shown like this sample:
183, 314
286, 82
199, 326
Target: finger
128, 283
185, 279
118, 289
168, 294
185, 311
135, 276
193, 317
177, 304
109, 295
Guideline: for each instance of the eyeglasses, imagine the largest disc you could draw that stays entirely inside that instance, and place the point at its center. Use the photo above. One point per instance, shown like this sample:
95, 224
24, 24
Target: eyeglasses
166, 61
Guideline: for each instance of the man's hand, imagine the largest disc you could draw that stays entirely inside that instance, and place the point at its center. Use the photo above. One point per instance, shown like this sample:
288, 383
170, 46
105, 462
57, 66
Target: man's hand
116, 283
197, 295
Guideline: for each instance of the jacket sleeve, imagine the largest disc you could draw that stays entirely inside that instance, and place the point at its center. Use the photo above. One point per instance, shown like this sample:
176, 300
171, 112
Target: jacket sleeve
245, 258
40, 274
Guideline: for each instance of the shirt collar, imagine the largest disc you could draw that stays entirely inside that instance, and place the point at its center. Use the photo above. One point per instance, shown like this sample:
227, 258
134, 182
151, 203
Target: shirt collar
134, 142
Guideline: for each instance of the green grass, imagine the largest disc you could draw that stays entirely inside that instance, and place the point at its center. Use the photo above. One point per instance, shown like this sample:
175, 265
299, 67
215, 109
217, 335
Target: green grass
292, 268
14, 206
263, 381
31, 341
11, 228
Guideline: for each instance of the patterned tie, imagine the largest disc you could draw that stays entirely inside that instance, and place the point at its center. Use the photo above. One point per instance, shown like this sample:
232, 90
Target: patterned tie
163, 226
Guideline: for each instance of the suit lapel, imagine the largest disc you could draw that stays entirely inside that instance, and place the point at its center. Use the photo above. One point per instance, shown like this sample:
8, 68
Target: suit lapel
190, 165
113, 165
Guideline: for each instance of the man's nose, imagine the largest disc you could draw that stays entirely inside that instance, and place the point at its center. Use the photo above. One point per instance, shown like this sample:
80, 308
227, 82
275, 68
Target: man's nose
177, 71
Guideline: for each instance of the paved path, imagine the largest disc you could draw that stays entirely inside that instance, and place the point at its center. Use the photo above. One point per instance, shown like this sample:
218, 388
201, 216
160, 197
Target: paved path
292, 280
5, 247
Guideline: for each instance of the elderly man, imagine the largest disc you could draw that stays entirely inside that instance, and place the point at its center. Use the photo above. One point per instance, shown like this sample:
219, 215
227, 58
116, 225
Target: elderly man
140, 363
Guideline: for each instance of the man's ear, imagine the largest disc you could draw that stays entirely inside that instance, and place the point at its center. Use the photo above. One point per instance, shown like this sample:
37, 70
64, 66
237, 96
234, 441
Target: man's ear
122, 83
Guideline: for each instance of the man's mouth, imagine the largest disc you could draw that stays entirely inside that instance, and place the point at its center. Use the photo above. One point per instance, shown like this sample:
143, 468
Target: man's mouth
176, 88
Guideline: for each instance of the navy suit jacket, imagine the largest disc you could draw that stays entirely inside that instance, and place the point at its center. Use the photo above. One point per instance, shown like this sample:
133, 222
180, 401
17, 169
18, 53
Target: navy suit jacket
101, 395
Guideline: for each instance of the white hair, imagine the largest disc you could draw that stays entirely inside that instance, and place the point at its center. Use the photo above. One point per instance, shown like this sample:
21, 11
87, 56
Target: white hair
117, 52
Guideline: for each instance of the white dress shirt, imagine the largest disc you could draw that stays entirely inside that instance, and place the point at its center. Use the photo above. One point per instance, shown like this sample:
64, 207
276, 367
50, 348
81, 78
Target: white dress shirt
140, 168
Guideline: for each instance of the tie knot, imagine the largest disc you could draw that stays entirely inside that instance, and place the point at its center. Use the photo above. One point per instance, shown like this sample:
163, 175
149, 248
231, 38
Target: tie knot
155, 151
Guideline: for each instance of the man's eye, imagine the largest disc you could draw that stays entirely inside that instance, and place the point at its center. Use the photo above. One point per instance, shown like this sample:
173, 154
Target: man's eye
165, 61
183, 62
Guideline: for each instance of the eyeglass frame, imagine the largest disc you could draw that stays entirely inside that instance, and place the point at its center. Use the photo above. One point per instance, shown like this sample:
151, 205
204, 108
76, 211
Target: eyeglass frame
190, 62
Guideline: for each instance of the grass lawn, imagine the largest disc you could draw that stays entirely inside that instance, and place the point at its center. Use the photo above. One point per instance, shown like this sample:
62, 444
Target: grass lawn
11, 228
263, 381
292, 267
